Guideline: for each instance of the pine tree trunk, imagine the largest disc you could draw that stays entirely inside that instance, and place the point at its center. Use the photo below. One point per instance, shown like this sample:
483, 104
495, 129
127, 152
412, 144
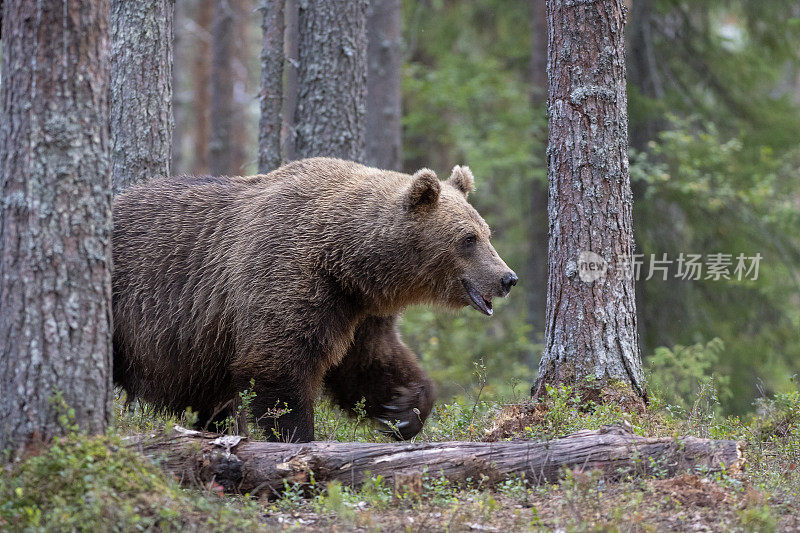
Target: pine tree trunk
536, 282
290, 88
384, 74
201, 81
141, 90
219, 148
271, 93
55, 222
329, 117
591, 313
240, 121
180, 102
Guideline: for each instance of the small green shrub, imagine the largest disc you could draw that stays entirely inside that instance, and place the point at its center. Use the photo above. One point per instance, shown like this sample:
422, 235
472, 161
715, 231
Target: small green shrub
758, 519
780, 415
81, 483
677, 374
337, 500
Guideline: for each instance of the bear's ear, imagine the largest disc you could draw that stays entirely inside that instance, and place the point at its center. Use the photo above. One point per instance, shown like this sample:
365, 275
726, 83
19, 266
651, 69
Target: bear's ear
462, 179
424, 190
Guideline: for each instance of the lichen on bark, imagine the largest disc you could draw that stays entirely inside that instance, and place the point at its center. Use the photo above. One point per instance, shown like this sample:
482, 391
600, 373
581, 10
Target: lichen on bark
141, 90
55, 220
590, 328
329, 117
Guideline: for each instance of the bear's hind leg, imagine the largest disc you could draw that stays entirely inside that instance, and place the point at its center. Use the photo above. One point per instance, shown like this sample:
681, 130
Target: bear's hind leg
380, 368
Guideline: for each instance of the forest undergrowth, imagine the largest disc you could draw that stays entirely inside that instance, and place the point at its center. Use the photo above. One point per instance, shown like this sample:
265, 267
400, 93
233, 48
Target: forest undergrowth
100, 484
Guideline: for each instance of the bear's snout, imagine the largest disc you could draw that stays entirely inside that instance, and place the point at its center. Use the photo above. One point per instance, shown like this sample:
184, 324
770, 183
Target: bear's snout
508, 280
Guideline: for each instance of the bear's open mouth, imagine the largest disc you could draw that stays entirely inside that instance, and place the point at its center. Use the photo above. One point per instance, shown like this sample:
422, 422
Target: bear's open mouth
477, 300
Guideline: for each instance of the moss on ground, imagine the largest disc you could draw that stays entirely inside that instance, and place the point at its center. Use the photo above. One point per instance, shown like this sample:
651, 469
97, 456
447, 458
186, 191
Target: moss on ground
81, 483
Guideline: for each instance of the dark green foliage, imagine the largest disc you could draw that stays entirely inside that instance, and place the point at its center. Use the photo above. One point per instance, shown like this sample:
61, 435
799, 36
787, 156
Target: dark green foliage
677, 374
718, 174
706, 193
721, 177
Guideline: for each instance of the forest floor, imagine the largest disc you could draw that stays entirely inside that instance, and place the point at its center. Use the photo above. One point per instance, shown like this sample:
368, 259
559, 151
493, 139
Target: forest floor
99, 484
580, 503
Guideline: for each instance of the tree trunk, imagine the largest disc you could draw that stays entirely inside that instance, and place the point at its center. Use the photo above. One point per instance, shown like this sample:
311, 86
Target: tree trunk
536, 283
384, 74
55, 220
141, 90
263, 467
201, 74
590, 330
329, 117
643, 70
539, 52
291, 67
180, 102
240, 122
219, 148
271, 93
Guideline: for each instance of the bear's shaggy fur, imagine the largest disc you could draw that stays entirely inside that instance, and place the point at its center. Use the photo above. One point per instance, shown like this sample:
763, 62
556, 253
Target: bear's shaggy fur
294, 280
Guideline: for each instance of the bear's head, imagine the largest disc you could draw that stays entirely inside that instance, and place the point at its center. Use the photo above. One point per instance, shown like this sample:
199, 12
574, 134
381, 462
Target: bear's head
458, 263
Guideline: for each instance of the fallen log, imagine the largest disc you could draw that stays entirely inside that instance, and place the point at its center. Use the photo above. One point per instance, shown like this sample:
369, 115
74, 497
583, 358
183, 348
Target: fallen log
244, 466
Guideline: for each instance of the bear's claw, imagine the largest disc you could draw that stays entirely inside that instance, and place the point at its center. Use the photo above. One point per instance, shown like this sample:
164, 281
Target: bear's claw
399, 429
404, 416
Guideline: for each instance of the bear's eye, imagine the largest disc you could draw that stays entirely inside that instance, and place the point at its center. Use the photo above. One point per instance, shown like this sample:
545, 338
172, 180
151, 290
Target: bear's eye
469, 241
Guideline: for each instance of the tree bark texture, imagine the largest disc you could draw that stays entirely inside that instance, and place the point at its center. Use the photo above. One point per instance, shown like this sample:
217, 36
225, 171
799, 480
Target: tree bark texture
141, 90
536, 285
271, 93
384, 75
240, 128
329, 117
590, 329
222, 109
180, 102
201, 82
55, 219
262, 467
291, 67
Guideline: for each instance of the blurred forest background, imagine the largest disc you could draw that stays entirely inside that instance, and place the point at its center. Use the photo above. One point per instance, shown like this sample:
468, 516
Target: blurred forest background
714, 109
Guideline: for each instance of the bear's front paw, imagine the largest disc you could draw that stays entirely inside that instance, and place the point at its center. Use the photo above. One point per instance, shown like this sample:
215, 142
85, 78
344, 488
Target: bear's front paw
404, 416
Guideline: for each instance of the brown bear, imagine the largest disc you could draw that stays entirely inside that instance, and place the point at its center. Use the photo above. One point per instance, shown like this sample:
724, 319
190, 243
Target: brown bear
294, 280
